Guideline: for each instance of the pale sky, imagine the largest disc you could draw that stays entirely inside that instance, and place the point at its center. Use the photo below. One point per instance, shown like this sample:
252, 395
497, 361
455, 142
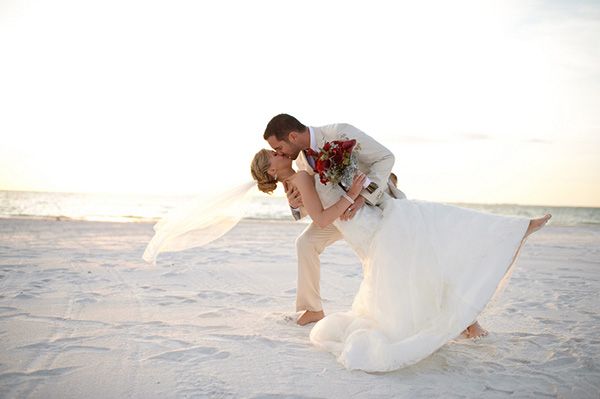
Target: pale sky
489, 102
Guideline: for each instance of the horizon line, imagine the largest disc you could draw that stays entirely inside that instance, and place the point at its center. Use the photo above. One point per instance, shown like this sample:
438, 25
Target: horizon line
191, 194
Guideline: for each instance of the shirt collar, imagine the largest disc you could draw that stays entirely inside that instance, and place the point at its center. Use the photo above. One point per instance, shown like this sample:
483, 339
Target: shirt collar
313, 140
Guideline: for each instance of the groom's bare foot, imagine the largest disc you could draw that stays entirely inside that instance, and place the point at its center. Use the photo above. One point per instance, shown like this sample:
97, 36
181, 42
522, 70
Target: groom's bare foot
310, 317
474, 331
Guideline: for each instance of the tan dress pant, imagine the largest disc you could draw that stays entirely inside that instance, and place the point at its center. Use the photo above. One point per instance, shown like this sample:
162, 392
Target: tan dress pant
309, 246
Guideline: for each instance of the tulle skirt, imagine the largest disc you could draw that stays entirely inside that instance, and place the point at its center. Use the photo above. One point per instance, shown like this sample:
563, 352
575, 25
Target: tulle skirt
429, 271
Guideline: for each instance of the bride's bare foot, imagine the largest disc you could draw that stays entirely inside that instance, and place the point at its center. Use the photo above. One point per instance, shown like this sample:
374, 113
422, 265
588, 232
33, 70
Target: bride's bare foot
536, 224
474, 331
310, 317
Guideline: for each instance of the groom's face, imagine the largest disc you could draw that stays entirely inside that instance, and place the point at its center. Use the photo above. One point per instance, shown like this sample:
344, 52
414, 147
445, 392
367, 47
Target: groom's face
284, 148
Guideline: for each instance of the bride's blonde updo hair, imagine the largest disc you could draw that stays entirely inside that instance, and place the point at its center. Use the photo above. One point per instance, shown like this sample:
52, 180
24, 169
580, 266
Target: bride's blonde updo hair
259, 166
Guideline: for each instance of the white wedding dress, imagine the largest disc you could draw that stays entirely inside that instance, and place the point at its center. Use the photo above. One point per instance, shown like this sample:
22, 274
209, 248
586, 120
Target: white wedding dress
429, 269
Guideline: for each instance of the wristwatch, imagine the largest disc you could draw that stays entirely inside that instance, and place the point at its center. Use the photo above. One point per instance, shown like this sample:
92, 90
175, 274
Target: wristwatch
372, 187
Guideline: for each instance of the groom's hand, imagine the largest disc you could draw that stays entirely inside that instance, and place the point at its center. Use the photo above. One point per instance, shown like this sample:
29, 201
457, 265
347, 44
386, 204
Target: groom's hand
352, 209
294, 198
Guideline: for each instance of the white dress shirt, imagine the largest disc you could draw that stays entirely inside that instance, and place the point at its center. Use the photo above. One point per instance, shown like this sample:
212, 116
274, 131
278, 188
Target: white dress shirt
313, 146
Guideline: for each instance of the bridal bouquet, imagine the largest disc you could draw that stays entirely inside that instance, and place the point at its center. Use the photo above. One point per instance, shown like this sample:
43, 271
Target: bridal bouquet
337, 162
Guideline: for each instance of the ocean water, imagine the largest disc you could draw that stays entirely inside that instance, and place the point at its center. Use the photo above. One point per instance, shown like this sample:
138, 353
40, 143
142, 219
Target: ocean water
149, 208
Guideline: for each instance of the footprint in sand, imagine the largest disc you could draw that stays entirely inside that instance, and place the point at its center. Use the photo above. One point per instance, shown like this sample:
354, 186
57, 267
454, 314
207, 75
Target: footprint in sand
282, 318
198, 353
55, 372
23, 295
86, 300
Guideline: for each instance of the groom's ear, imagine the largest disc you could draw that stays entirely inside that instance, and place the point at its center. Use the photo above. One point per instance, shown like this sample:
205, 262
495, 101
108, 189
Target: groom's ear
293, 137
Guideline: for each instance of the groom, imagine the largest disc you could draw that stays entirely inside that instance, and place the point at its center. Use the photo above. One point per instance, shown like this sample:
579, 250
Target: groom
286, 135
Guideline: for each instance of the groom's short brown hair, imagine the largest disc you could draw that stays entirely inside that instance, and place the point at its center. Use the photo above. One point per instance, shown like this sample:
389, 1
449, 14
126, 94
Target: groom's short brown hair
281, 125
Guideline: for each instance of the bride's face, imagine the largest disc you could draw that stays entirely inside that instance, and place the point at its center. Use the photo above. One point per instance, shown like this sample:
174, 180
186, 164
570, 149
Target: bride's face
278, 163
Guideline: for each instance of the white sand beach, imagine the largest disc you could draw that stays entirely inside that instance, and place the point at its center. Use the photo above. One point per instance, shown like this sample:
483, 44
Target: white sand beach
82, 316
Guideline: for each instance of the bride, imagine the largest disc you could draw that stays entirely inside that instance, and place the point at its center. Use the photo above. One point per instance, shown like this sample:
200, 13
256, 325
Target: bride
429, 269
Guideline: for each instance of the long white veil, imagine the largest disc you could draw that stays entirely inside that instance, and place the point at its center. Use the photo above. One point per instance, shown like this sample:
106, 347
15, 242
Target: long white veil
206, 218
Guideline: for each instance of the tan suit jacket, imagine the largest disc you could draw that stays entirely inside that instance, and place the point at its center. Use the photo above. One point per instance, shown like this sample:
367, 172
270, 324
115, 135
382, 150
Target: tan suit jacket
374, 160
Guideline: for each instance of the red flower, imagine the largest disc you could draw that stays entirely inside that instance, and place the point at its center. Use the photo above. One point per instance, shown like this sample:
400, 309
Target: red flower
332, 159
348, 145
320, 165
338, 155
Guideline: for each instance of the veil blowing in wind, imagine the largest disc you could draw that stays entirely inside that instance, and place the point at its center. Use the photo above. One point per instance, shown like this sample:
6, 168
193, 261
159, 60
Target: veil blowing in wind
204, 219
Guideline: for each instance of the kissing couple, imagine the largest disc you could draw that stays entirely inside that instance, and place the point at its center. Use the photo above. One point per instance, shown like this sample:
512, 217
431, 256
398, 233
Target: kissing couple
429, 269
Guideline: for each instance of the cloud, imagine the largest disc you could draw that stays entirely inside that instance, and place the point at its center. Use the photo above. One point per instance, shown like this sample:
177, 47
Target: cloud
439, 139
476, 136
537, 141
418, 139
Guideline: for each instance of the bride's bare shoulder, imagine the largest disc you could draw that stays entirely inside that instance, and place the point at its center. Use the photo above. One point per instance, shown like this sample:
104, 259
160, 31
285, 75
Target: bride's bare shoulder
302, 176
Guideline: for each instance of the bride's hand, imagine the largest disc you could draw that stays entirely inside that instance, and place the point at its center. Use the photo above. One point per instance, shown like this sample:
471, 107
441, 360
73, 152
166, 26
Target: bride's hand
354, 193
357, 185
